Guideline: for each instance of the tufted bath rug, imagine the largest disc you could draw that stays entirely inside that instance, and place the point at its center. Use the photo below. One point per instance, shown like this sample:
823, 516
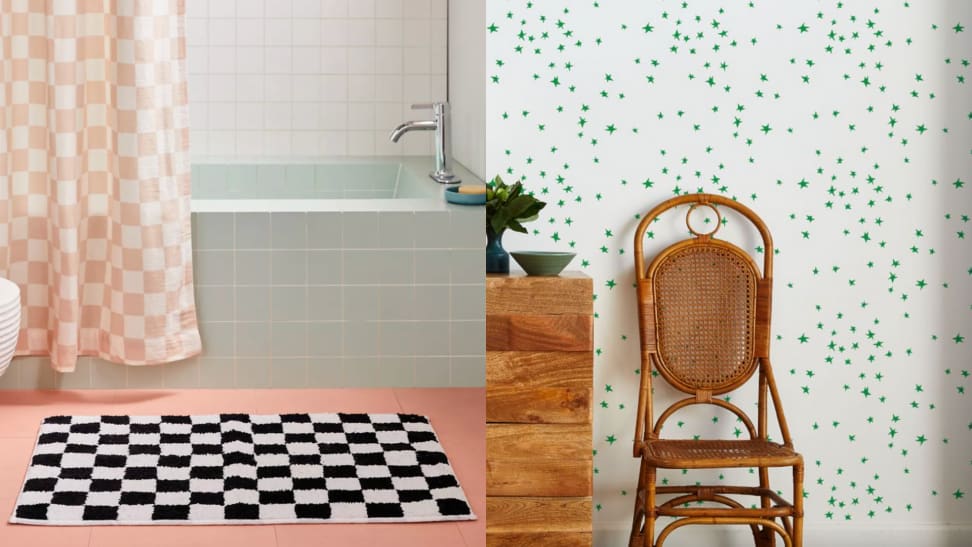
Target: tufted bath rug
239, 469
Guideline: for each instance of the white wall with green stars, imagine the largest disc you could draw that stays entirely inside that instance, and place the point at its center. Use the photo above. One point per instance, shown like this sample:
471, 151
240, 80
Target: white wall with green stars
848, 127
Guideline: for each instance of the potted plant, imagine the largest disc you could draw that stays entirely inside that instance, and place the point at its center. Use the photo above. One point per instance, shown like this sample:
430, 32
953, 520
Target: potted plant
507, 206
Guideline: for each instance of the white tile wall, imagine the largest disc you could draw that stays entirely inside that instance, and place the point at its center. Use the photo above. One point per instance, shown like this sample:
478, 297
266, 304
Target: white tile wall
467, 89
278, 78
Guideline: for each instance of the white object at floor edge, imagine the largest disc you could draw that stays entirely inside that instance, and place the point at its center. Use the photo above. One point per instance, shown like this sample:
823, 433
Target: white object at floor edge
10, 328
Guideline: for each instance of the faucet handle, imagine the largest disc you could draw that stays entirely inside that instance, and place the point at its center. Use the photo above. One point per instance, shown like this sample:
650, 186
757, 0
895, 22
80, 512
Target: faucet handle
428, 106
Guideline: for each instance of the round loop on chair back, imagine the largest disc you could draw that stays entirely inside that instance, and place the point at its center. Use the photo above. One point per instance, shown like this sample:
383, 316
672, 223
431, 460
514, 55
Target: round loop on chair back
705, 305
688, 219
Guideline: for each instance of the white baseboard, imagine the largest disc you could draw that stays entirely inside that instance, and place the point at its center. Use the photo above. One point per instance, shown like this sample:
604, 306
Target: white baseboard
849, 535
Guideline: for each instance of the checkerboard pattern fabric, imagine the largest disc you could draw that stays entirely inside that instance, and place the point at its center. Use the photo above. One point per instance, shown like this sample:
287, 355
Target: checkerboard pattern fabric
94, 178
239, 468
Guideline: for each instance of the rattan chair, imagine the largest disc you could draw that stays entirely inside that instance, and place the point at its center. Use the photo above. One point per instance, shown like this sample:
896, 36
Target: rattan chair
704, 314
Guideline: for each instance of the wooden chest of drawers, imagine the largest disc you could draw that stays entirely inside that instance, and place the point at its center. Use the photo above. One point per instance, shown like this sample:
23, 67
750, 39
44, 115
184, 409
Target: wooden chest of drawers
539, 367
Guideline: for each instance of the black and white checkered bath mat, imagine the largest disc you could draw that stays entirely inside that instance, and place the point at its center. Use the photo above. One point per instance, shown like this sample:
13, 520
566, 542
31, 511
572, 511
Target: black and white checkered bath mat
239, 468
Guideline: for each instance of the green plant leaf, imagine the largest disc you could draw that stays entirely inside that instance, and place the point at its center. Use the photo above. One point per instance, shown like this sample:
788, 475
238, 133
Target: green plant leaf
508, 206
516, 190
516, 226
532, 211
499, 220
519, 205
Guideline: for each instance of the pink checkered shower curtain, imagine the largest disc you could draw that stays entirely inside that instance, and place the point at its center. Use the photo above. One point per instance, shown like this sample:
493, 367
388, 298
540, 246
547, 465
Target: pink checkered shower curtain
94, 178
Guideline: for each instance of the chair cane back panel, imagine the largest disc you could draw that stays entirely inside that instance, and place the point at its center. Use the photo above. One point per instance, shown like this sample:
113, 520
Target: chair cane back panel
705, 295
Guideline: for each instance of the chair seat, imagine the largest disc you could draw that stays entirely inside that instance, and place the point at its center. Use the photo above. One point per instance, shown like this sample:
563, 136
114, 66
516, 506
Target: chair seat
706, 454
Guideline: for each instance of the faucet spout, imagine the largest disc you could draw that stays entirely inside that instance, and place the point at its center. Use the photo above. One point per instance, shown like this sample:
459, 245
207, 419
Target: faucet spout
424, 125
439, 123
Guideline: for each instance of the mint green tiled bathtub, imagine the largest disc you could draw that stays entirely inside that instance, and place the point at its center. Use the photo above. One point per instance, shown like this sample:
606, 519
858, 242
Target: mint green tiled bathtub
383, 178
344, 273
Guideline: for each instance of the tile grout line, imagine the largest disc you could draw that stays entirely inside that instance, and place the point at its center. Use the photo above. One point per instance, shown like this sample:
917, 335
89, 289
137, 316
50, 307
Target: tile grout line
269, 363
398, 401
307, 311
343, 261
235, 304
379, 329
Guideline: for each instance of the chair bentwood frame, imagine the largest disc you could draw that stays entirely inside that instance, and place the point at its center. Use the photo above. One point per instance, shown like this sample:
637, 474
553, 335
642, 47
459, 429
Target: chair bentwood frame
704, 316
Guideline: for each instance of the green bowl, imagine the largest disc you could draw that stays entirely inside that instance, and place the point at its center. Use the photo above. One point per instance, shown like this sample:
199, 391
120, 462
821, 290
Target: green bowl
542, 262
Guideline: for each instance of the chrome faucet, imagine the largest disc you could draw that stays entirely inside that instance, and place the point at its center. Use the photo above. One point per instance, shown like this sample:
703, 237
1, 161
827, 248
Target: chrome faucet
439, 124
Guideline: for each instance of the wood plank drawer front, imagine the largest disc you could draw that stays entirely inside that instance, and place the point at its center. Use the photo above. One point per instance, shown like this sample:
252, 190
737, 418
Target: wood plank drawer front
538, 477
538, 460
539, 399
538, 387
567, 294
527, 332
538, 539
524, 515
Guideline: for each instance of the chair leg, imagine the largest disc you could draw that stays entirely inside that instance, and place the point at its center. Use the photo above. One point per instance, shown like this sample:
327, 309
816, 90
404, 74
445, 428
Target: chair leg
637, 538
643, 525
638, 521
797, 536
650, 513
767, 537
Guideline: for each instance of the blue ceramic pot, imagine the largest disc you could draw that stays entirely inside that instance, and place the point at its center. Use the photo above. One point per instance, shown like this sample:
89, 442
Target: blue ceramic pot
497, 259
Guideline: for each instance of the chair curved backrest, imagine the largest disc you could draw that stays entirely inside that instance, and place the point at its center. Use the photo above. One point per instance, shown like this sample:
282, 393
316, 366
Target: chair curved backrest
704, 311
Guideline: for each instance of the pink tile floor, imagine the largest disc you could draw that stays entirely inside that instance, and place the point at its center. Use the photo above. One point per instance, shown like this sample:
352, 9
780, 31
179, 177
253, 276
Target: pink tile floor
457, 414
